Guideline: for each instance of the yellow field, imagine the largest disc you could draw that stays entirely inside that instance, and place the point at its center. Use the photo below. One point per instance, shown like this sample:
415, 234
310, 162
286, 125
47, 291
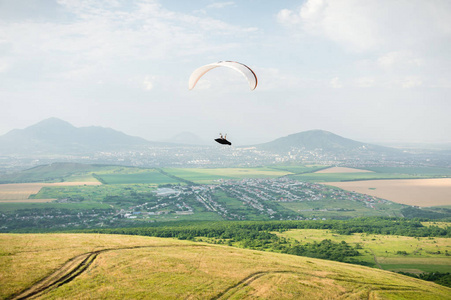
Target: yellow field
19, 192
343, 170
420, 192
133, 267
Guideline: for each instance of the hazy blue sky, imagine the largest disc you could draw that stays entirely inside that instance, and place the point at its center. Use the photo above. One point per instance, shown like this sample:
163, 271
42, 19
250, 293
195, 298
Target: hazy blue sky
374, 70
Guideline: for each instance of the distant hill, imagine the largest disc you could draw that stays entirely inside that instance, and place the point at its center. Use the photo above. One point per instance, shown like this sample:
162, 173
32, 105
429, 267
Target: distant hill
324, 141
55, 136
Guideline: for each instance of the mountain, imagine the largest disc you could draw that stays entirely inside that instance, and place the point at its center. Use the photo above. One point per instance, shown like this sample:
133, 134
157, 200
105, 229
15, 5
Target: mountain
55, 136
323, 141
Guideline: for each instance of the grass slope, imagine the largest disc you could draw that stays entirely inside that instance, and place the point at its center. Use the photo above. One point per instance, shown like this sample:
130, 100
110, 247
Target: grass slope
133, 267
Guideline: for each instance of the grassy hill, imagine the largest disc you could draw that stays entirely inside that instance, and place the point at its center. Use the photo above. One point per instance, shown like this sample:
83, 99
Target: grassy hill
76, 266
320, 139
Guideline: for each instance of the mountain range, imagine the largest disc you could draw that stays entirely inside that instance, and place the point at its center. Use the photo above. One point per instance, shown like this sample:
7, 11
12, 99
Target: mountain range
55, 136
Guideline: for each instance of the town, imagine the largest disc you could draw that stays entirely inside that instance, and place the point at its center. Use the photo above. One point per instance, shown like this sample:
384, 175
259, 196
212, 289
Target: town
261, 198
247, 199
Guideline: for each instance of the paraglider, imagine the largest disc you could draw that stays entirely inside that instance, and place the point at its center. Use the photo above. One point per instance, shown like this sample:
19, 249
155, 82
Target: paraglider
223, 140
243, 69
239, 67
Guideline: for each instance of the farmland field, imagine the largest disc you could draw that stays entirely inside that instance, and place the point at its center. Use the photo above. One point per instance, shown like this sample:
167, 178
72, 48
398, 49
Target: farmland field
420, 192
342, 170
297, 169
333, 177
430, 171
20, 192
6, 207
133, 267
210, 175
57, 172
93, 193
395, 253
147, 176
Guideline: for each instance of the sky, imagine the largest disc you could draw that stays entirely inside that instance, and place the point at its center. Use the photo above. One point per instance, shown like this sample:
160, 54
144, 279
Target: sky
374, 71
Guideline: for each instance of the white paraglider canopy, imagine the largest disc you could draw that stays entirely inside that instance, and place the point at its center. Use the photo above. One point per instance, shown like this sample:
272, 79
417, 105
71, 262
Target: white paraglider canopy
243, 69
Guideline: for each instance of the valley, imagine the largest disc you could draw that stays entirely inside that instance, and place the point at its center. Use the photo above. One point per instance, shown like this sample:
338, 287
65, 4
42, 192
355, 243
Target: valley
115, 196
293, 221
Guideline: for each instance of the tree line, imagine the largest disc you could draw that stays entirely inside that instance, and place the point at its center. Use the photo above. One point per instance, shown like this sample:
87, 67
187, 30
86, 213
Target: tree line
260, 234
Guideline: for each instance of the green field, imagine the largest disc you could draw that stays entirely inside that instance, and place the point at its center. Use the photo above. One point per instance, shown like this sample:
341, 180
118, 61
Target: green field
425, 171
389, 252
335, 177
205, 176
134, 267
231, 203
57, 172
378, 173
73, 172
94, 193
297, 169
148, 176
11, 207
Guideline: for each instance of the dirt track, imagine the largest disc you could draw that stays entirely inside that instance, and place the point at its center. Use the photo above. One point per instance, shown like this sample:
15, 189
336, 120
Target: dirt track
68, 272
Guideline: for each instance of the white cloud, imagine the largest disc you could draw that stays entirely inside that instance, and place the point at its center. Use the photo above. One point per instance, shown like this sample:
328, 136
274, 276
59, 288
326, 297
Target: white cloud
100, 35
365, 82
277, 79
220, 5
4, 65
336, 83
373, 24
288, 17
393, 43
411, 82
148, 82
399, 58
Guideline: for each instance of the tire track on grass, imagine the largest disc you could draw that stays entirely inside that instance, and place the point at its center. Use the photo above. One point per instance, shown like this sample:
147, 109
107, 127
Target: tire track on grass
231, 290
72, 269
370, 289
375, 260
